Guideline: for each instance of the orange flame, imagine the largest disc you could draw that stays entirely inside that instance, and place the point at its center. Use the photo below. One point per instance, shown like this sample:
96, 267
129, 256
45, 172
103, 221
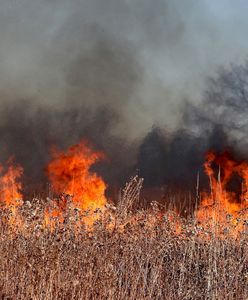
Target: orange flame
10, 190
70, 174
221, 207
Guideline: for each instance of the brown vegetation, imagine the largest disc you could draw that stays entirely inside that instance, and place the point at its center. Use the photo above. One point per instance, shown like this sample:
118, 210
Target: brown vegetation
126, 255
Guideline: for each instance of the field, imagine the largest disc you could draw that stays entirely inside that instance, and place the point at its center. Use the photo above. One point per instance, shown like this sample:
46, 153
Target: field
123, 254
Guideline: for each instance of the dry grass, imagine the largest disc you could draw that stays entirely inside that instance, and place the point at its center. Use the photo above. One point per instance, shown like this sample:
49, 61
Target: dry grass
146, 258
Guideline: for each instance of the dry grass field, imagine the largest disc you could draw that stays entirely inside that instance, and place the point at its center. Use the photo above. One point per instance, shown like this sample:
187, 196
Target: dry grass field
125, 255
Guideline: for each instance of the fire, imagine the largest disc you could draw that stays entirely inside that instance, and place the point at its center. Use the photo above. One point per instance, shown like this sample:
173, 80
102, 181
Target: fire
221, 207
80, 195
70, 175
11, 190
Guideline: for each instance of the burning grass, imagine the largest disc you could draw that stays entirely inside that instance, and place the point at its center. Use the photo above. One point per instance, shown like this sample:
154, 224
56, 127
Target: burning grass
80, 246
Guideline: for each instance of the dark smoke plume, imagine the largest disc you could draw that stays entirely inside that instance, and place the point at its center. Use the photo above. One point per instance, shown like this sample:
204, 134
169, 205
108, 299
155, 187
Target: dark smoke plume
128, 76
30, 135
216, 123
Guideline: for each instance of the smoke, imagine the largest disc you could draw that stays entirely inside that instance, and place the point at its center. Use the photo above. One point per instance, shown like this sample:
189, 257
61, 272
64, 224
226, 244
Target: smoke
140, 59
29, 133
113, 71
177, 159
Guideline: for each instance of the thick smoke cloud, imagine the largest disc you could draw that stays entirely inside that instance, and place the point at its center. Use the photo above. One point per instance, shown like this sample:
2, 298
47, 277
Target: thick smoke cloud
109, 71
52, 50
29, 135
176, 159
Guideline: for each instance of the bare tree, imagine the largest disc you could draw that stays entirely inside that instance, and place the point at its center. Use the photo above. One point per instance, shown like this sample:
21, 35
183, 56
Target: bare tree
224, 105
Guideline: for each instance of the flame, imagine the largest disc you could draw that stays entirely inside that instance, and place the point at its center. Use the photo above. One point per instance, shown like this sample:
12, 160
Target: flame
70, 174
222, 208
81, 194
11, 190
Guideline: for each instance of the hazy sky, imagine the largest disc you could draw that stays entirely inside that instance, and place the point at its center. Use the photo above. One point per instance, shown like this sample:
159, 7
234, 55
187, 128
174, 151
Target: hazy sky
141, 59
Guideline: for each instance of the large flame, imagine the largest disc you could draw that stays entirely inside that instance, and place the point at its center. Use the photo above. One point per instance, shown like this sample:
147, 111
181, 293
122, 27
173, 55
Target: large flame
71, 175
224, 209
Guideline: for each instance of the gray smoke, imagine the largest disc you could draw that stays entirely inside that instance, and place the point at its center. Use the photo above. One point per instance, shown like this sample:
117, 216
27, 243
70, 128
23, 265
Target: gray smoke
110, 71
139, 58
